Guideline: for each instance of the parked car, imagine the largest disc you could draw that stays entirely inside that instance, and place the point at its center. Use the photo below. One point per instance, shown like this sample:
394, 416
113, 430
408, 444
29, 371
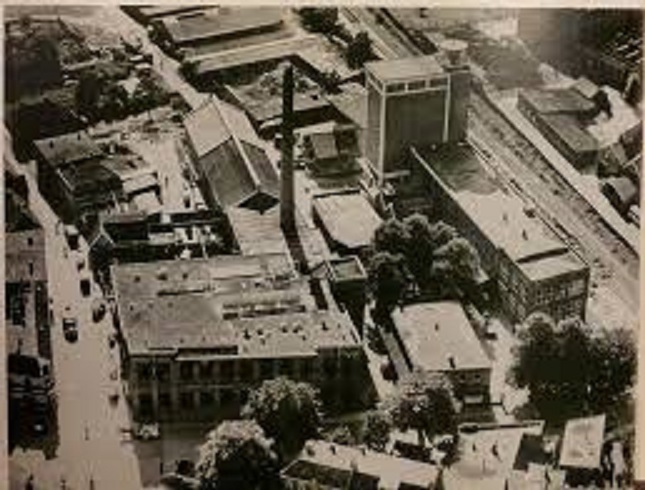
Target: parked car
70, 329
147, 432
98, 310
86, 286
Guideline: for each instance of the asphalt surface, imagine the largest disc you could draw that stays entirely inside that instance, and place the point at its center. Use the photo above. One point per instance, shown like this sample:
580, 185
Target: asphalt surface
90, 447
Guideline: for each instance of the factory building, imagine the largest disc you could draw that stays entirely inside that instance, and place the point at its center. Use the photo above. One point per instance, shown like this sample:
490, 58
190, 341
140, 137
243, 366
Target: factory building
415, 101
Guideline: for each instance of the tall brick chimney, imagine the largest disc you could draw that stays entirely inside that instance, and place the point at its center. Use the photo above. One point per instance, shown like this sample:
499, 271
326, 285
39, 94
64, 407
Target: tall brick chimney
287, 205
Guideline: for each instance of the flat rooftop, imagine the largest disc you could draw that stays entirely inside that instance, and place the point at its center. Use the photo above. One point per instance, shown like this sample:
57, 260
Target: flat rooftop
557, 101
238, 306
346, 269
571, 131
348, 218
68, 148
335, 465
439, 337
582, 442
500, 215
405, 68
477, 467
219, 22
277, 50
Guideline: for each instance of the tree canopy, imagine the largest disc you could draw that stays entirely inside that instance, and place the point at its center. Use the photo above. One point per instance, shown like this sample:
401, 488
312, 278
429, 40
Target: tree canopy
570, 369
438, 259
288, 411
455, 265
320, 19
359, 50
388, 278
237, 455
423, 402
376, 429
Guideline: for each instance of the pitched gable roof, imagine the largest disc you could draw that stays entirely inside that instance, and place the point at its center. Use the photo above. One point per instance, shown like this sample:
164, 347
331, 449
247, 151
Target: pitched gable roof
231, 157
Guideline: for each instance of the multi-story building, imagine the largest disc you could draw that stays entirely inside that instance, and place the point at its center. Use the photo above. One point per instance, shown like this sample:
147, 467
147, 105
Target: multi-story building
438, 338
26, 301
603, 45
323, 464
560, 115
415, 101
197, 334
80, 180
533, 269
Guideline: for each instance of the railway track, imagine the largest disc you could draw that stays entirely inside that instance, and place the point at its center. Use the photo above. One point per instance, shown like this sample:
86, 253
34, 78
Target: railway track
560, 188
561, 206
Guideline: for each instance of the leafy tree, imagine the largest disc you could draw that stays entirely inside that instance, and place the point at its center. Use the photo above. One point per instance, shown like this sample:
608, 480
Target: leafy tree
569, 369
341, 435
388, 280
420, 247
424, 402
376, 429
392, 236
321, 19
441, 233
359, 51
113, 103
456, 265
288, 411
87, 94
237, 455
188, 69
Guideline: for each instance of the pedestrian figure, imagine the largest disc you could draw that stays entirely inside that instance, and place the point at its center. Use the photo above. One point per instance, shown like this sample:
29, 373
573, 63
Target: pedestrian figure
495, 451
63, 483
91, 483
87, 433
30, 483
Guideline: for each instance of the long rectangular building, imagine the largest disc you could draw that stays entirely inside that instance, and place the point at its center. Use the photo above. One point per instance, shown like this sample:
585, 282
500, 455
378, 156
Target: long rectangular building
534, 269
198, 333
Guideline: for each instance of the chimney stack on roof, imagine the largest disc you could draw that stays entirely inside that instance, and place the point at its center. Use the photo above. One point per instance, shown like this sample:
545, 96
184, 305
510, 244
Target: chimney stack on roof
287, 205
455, 51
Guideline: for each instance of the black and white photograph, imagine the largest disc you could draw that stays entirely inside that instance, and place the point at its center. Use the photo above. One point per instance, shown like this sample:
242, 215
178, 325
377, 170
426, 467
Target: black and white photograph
321, 247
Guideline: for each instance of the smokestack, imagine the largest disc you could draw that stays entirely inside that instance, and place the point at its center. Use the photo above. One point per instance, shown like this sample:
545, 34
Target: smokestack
287, 206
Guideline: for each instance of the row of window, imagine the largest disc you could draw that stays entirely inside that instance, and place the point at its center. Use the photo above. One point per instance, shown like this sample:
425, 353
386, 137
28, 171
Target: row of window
417, 85
241, 370
190, 400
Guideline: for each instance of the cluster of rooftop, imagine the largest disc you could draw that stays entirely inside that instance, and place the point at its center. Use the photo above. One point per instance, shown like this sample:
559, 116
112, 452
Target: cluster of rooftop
241, 319
80, 179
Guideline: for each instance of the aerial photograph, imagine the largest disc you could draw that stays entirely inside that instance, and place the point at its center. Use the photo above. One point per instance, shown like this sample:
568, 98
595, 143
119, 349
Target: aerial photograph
321, 247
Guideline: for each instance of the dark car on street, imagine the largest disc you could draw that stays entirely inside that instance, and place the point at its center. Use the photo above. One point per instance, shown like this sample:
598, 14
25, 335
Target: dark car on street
70, 329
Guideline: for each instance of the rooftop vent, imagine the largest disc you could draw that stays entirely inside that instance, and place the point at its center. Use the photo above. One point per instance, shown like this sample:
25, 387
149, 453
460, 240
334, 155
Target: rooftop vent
309, 449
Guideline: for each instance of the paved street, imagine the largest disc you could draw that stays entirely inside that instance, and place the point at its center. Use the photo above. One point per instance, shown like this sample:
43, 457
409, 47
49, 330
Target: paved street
90, 446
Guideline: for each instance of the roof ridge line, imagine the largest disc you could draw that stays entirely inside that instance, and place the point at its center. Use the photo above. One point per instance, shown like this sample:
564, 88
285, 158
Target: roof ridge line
245, 158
